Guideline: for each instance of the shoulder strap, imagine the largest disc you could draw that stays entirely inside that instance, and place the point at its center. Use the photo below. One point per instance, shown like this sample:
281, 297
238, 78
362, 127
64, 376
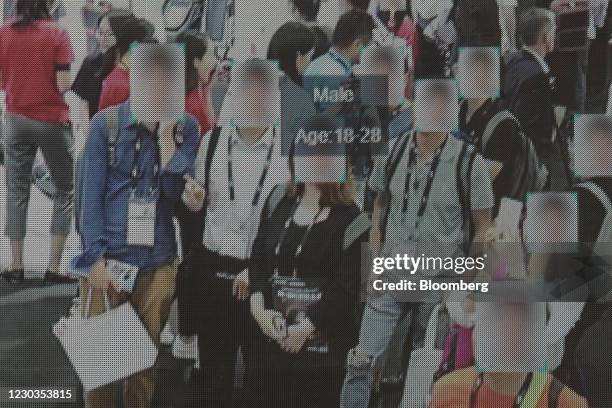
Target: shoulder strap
210, 153
554, 392
598, 192
493, 123
395, 156
112, 128
464, 183
356, 228
277, 194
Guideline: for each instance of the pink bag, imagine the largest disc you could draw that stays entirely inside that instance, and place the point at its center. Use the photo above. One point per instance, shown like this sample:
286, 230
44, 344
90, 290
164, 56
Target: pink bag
458, 350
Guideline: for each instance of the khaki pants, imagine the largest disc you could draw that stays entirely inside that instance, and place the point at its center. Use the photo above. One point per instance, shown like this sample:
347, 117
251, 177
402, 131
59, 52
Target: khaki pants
151, 298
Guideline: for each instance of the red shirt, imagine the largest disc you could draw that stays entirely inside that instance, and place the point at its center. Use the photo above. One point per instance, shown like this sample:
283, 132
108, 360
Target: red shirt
28, 60
197, 104
115, 88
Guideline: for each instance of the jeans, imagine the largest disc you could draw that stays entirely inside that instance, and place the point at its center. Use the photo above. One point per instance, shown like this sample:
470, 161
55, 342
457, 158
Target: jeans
380, 317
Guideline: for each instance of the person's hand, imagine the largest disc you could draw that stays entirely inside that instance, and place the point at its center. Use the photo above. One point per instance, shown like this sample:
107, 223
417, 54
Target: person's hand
265, 319
375, 240
193, 194
241, 286
297, 335
99, 278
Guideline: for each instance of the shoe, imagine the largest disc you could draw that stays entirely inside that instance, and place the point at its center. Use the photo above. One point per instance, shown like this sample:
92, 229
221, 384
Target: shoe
56, 278
14, 276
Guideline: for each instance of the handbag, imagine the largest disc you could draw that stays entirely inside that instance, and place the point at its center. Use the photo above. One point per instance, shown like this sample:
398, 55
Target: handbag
422, 367
106, 348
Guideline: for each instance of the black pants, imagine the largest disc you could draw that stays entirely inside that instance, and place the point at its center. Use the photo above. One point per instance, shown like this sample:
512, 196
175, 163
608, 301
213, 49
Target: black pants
223, 324
304, 380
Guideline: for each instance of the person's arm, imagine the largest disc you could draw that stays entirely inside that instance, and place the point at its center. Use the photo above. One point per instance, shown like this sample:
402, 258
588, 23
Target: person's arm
63, 80
482, 201
181, 159
93, 179
64, 56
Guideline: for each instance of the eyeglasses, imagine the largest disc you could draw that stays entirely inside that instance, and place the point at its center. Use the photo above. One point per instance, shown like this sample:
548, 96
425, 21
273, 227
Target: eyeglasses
106, 33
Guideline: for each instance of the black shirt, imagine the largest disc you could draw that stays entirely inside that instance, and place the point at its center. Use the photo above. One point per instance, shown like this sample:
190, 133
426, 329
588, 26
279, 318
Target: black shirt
591, 212
88, 83
322, 259
503, 146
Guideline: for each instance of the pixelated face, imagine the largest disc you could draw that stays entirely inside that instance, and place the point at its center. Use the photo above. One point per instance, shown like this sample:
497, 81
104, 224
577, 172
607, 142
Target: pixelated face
157, 82
478, 72
551, 224
436, 106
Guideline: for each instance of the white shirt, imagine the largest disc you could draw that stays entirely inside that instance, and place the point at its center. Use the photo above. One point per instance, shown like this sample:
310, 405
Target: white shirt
540, 60
231, 226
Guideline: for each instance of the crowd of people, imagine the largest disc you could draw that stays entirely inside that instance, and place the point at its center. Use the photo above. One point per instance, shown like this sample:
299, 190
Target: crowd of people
407, 127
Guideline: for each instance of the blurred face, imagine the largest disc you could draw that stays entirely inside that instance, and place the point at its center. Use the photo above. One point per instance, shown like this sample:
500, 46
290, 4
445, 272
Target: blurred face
105, 35
303, 60
206, 65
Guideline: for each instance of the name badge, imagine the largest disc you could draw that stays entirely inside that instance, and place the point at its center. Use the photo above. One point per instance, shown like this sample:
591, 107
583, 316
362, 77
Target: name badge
141, 221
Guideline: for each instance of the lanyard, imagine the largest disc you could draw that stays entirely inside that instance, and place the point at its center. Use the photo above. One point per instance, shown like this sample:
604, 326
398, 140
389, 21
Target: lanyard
518, 400
137, 150
283, 235
430, 177
262, 178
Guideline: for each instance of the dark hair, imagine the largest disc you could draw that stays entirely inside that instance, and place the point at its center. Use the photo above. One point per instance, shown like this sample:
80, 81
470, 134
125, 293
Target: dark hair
196, 45
289, 40
111, 14
360, 4
308, 9
533, 23
132, 30
352, 26
322, 42
117, 22
29, 11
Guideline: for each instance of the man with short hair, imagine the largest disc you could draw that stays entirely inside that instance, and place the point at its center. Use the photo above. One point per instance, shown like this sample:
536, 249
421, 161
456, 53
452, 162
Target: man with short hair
529, 89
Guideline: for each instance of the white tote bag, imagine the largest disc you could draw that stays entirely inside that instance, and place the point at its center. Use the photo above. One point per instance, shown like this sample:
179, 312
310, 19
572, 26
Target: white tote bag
424, 363
106, 348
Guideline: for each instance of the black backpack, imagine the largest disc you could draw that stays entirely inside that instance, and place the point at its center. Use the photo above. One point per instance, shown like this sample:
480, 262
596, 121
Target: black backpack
477, 23
529, 174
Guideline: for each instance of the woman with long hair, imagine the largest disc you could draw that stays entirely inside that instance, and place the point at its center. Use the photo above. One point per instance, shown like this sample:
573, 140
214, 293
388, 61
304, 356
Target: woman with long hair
305, 275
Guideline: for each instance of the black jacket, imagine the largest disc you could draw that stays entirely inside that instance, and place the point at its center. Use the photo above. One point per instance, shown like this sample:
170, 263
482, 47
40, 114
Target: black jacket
530, 95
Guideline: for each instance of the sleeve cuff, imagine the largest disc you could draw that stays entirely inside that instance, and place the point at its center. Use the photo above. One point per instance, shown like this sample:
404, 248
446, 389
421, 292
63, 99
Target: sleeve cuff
82, 263
179, 164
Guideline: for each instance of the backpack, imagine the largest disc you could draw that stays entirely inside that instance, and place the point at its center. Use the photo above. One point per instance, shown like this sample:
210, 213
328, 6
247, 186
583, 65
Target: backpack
111, 115
529, 174
464, 166
477, 23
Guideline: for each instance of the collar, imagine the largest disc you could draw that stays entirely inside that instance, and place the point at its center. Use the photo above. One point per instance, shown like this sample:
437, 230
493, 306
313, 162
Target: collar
341, 59
265, 141
538, 58
448, 153
131, 120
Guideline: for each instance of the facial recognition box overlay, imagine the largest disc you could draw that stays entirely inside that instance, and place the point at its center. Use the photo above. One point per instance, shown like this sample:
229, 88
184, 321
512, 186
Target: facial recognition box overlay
551, 223
157, 82
254, 94
436, 105
592, 145
478, 72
